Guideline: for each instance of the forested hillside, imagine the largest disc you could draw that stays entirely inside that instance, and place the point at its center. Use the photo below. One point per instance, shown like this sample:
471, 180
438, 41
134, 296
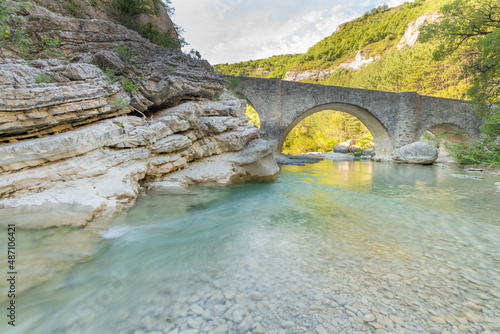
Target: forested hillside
376, 32
456, 57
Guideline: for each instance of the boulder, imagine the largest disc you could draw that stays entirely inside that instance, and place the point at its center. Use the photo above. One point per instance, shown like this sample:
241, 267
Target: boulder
344, 146
354, 149
420, 153
369, 152
340, 149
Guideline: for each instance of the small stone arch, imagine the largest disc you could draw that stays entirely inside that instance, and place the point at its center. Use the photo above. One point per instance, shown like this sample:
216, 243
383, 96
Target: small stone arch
447, 134
452, 133
382, 139
259, 114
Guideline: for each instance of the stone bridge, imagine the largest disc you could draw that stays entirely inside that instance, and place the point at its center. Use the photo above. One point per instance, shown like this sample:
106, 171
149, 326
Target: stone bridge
394, 119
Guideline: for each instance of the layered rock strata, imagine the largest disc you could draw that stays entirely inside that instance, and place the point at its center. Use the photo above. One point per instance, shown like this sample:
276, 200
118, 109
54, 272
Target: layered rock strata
66, 139
102, 167
77, 94
165, 76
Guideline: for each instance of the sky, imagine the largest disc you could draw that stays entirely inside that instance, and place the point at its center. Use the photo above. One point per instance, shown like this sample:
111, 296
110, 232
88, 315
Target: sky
229, 31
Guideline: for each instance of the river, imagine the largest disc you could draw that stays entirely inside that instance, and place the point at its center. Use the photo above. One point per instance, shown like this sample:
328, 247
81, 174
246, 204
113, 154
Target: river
332, 247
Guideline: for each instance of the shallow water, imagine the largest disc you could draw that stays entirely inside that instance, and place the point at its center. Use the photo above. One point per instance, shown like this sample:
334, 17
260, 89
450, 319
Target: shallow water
334, 247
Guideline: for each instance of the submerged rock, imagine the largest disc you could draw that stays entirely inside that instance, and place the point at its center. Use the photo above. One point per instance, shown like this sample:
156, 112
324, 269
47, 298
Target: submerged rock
461, 176
416, 153
300, 160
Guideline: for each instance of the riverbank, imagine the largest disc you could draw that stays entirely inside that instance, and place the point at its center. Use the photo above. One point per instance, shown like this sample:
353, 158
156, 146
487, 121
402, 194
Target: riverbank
289, 159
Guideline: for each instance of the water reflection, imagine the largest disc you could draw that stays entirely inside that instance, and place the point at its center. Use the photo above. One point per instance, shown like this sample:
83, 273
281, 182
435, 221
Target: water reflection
324, 245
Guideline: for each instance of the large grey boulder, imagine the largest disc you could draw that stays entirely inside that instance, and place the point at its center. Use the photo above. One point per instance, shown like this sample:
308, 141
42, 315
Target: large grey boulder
419, 153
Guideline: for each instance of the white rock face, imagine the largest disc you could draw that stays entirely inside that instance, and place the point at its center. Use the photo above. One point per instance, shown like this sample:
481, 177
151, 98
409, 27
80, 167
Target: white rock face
356, 64
308, 74
100, 168
255, 162
409, 39
413, 31
359, 62
416, 153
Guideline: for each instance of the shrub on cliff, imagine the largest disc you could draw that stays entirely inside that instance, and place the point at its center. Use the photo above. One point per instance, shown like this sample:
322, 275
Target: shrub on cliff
131, 7
126, 9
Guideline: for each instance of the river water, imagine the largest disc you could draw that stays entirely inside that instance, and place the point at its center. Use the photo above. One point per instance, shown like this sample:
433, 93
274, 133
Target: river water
333, 247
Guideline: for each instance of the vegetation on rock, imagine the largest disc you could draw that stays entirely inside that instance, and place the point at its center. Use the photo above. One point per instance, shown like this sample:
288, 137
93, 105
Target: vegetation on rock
376, 31
126, 9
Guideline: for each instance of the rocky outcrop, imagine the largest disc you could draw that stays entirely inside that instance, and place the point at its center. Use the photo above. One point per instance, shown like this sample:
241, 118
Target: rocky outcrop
102, 167
409, 39
294, 75
108, 70
43, 97
359, 61
164, 76
356, 64
67, 141
160, 21
413, 31
104, 10
256, 162
416, 153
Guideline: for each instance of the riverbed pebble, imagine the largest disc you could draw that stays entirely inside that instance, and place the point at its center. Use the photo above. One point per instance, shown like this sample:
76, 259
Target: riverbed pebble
370, 286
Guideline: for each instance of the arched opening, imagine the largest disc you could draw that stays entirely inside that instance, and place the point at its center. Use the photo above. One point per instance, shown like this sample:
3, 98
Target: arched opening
381, 139
443, 135
323, 130
253, 115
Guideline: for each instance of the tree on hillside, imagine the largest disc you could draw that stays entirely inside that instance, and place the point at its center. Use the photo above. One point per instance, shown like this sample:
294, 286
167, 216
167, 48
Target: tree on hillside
472, 27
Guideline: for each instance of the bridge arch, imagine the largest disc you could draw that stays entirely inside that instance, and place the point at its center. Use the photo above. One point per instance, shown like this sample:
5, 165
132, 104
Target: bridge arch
451, 133
253, 120
445, 134
381, 137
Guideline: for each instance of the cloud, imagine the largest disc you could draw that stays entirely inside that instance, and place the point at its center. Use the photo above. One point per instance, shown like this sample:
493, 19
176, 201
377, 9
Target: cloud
237, 30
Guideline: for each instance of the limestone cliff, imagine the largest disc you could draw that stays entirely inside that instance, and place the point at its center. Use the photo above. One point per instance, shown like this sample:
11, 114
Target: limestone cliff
357, 63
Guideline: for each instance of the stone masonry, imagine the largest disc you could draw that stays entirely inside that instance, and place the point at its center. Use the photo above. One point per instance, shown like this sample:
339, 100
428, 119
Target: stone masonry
394, 119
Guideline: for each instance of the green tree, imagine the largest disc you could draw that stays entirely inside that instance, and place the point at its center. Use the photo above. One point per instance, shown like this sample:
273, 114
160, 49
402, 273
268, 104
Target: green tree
471, 29
4, 20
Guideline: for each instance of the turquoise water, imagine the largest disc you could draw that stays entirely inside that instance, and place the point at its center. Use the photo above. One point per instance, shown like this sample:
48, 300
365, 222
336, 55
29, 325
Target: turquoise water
343, 247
